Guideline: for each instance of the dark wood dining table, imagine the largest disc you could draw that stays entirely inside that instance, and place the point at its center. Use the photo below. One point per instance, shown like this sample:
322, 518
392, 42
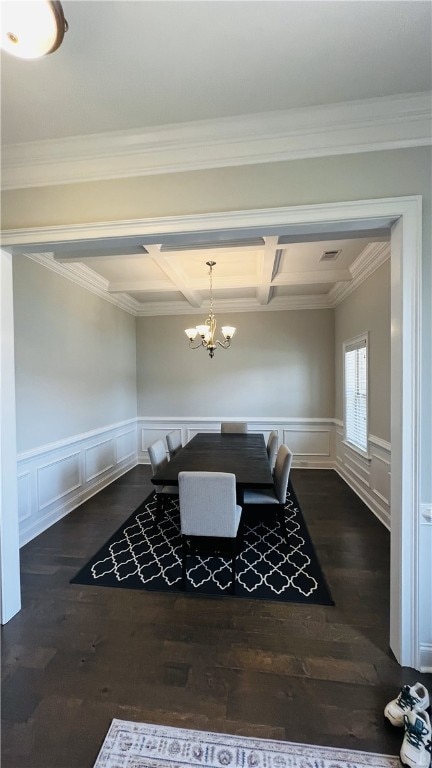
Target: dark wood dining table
244, 455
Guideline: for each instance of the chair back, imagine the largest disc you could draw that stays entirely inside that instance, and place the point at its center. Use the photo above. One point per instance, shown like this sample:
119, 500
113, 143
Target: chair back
208, 504
281, 472
174, 442
158, 458
240, 427
272, 445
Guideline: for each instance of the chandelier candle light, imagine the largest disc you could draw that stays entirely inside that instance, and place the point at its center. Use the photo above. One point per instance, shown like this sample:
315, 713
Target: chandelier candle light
207, 331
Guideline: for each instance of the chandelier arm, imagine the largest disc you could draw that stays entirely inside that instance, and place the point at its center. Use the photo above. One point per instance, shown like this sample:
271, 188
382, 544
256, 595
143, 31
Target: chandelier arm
201, 343
225, 344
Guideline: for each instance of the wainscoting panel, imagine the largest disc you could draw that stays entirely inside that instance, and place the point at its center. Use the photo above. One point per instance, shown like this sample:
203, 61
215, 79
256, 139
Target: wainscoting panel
56, 478
308, 444
368, 477
311, 440
126, 445
99, 458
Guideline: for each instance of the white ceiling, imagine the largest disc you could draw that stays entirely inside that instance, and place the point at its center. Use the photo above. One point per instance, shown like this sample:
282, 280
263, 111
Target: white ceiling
127, 66
130, 65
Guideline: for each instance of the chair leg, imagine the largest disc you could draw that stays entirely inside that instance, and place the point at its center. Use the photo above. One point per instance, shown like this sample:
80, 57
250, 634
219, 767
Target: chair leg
233, 567
160, 506
184, 555
281, 518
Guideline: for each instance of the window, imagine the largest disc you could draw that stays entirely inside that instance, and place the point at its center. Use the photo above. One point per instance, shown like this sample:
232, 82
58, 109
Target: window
356, 392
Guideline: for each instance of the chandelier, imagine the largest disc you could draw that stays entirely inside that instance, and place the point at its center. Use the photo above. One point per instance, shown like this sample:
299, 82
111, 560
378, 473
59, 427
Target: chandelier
207, 331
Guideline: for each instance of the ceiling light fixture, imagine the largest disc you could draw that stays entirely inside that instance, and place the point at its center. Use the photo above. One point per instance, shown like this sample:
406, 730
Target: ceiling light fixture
207, 331
32, 29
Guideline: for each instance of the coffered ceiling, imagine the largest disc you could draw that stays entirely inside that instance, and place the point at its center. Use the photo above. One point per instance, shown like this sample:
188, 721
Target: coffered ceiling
250, 274
147, 87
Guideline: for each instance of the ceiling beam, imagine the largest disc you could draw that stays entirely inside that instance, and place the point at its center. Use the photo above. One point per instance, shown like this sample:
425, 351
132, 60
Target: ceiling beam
109, 253
176, 275
266, 270
195, 285
214, 249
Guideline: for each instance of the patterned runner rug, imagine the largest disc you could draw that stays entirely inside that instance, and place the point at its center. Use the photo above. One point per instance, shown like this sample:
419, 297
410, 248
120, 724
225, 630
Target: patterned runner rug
139, 745
145, 554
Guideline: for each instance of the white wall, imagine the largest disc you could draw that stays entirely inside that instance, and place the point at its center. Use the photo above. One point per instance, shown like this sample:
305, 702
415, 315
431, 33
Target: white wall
280, 364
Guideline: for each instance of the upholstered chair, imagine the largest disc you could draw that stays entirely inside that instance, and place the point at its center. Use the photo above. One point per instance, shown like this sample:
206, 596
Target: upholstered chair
158, 460
174, 442
240, 427
277, 495
209, 516
272, 446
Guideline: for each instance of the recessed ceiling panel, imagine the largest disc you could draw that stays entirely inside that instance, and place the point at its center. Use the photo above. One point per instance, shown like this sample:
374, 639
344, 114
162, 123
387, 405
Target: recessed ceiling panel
125, 269
299, 257
230, 265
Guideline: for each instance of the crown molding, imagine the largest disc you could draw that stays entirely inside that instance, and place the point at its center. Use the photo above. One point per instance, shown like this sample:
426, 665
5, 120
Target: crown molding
369, 260
86, 278
366, 125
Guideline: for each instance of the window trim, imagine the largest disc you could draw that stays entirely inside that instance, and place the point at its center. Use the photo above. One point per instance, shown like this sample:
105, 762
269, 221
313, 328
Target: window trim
355, 343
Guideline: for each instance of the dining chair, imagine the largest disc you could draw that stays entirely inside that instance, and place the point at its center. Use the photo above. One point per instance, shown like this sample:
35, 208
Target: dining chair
209, 517
272, 446
277, 494
158, 460
174, 442
240, 427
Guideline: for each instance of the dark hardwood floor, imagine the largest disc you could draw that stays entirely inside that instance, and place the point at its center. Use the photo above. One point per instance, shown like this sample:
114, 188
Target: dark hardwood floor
75, 657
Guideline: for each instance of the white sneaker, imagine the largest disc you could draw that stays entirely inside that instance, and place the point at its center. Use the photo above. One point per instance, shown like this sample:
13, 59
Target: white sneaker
416, 697
416, 746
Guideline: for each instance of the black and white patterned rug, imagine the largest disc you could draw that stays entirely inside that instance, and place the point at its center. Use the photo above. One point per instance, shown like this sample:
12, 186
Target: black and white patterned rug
145, 554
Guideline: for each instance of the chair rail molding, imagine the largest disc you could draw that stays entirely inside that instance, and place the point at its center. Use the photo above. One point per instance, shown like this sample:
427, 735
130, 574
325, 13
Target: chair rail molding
366, 125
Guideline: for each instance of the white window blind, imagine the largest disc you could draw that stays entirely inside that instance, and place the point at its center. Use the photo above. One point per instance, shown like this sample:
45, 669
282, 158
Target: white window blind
356, 392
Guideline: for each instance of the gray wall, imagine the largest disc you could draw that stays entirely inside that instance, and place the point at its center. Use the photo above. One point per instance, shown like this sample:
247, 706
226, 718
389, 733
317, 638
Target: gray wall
279, 364
368, 309
75, 358
367, 175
